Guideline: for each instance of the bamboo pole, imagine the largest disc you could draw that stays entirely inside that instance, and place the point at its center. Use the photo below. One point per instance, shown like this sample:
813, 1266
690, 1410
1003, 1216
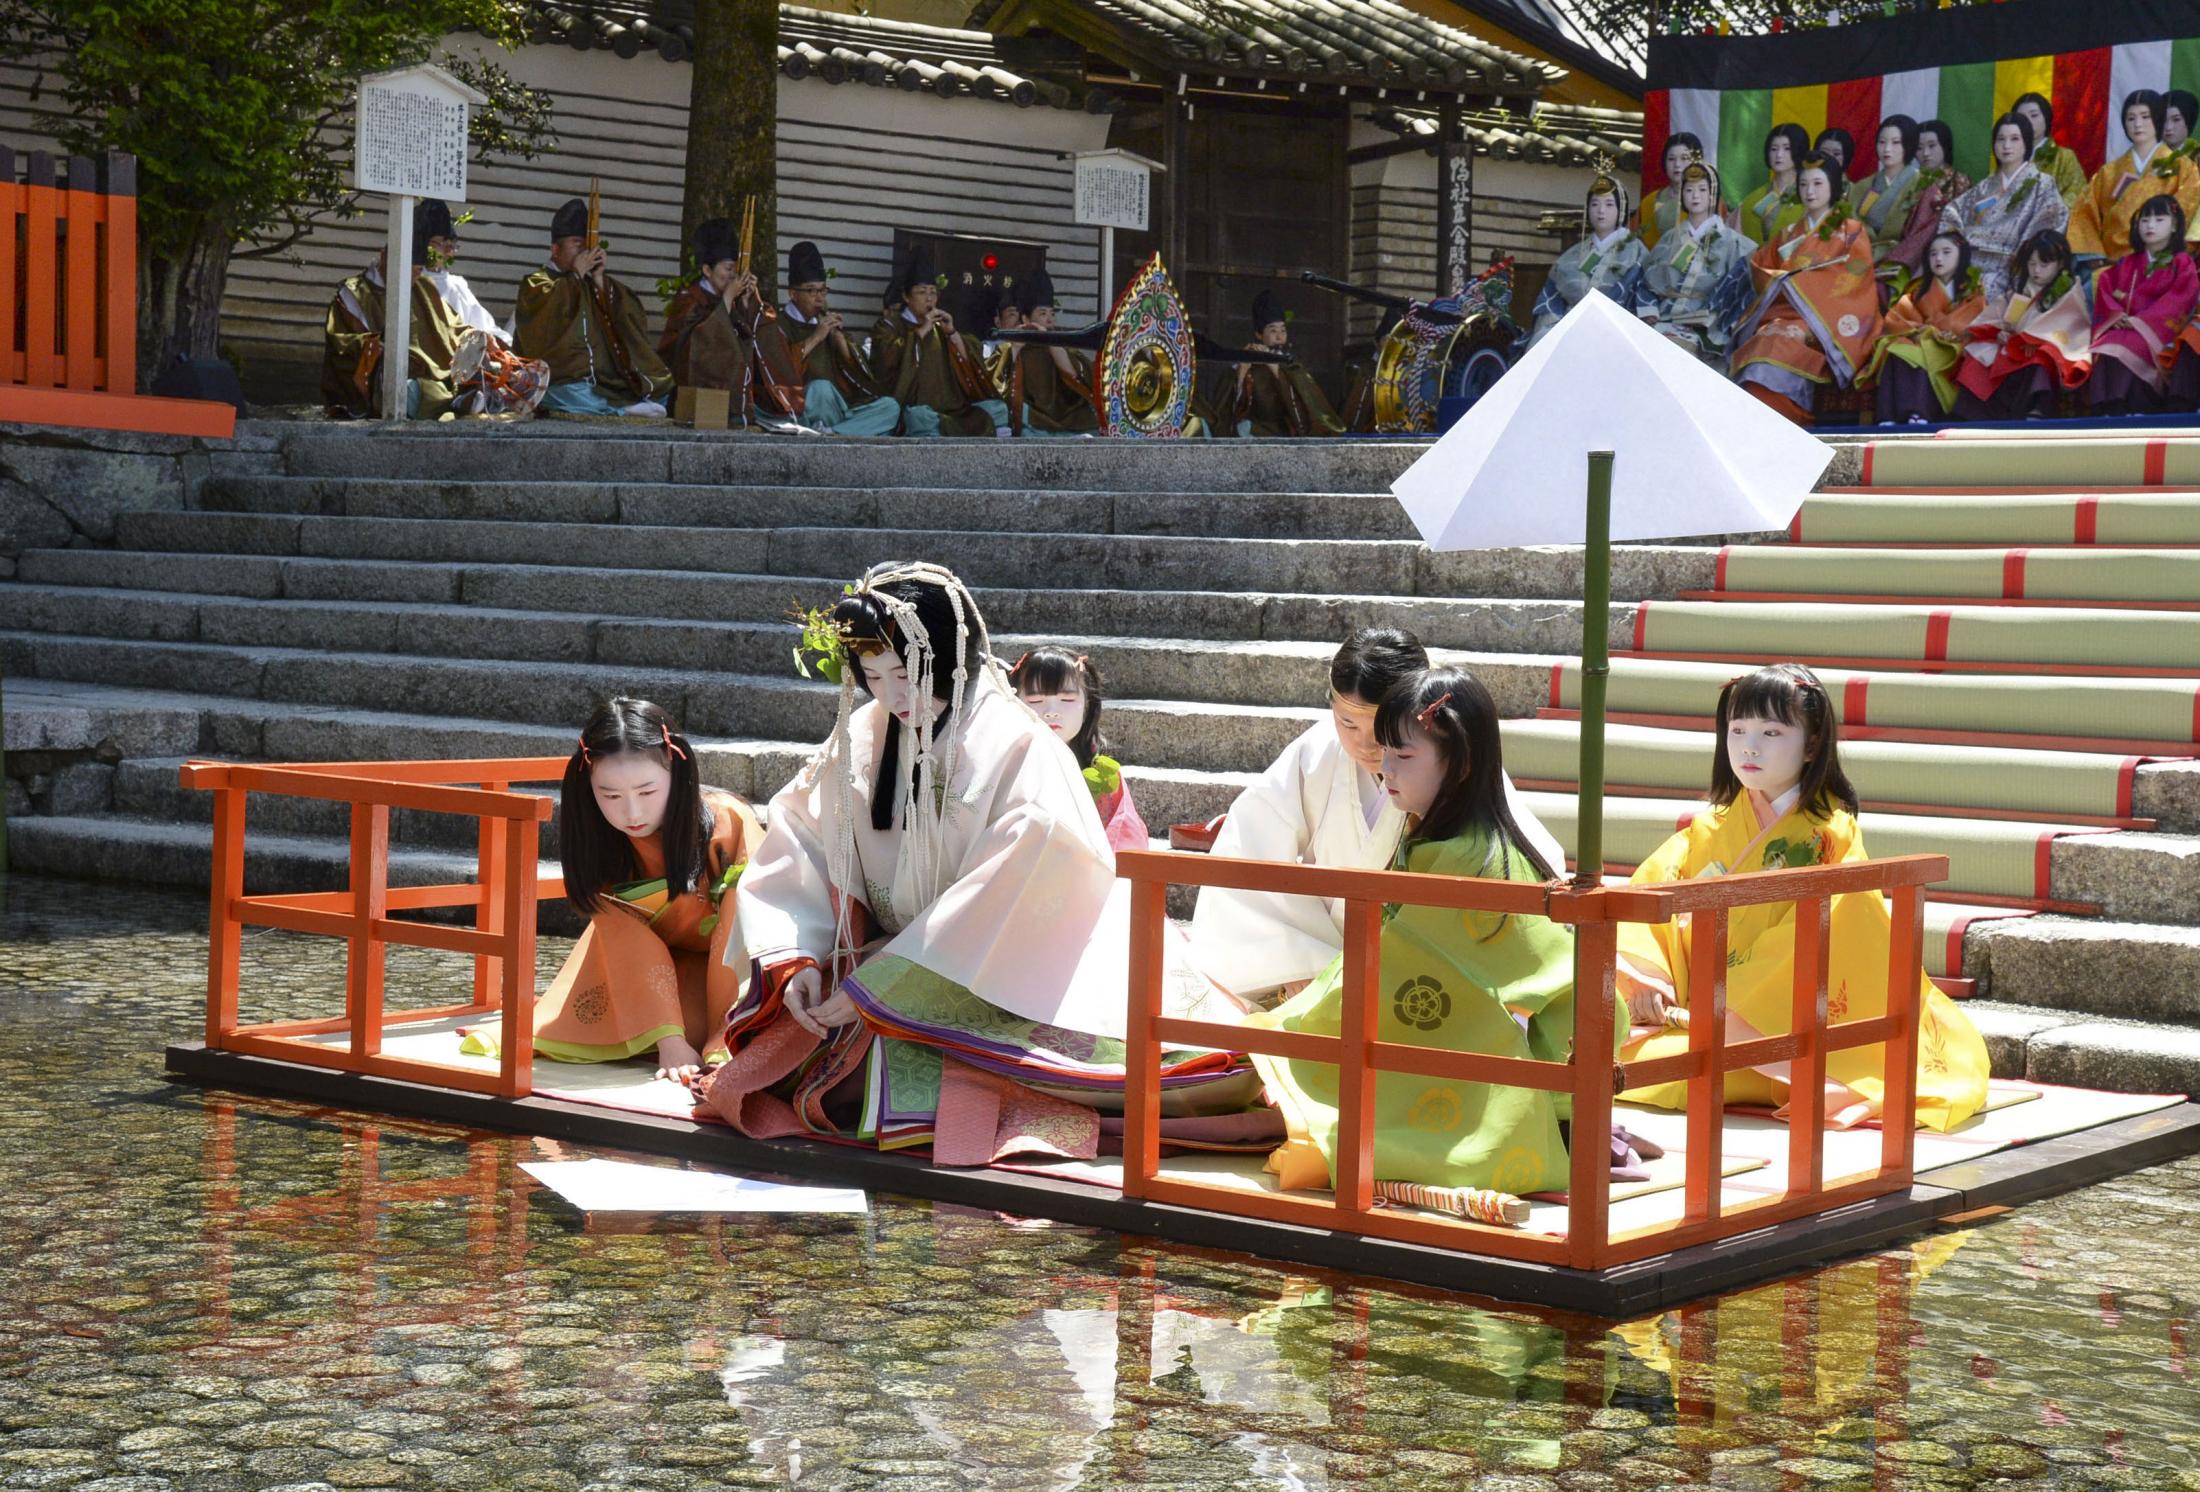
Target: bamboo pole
1596, 669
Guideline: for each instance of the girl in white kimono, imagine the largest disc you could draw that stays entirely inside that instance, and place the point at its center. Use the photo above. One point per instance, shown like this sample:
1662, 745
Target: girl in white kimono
937, 949
1695, 284
1321, 803
1606, 258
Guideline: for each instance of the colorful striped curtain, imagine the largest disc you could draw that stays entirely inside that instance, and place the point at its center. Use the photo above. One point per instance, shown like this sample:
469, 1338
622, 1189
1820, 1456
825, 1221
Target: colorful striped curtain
1965, 66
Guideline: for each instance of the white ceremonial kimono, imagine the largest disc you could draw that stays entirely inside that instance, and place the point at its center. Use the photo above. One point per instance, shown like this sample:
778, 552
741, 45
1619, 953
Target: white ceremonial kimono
1310, 807
464, 304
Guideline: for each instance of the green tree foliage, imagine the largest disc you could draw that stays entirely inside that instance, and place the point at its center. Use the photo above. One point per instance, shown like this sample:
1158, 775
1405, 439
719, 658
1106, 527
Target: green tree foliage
234, 110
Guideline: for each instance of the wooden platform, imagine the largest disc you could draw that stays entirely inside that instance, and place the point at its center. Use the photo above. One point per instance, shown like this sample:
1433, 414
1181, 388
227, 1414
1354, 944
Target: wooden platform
2003, 1178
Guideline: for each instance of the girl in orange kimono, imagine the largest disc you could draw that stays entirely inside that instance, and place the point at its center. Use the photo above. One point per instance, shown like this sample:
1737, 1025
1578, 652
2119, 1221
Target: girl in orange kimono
651, 856
1779, 800
1816, 314
1064, 691
1915, 360
2102, 218
2035, 341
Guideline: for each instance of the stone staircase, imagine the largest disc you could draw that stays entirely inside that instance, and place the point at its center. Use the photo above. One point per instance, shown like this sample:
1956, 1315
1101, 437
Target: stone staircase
347, 593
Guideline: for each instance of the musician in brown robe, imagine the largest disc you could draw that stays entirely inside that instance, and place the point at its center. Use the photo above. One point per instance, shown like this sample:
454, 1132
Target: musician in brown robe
806, 370
934, 372
706, 341
1279, 398
1051, 386
352, 377
590, 329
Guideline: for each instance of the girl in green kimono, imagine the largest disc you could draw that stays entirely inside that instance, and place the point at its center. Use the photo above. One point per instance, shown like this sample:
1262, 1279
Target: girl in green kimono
1774, 207
1884, 200
1695, 284
1484, 982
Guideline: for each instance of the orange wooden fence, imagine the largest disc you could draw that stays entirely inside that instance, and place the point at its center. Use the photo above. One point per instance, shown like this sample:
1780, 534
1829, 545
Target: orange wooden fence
501, 942
69, 303
502, 945
1592, 1081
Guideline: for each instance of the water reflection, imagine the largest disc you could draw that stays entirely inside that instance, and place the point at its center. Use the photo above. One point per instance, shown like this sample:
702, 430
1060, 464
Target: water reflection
208, 1290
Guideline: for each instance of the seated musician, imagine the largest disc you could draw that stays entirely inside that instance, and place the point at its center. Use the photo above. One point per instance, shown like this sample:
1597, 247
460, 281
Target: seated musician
1054, 384
589, 328
460, 363
935, 373
806, 371
1278, 398
706, 339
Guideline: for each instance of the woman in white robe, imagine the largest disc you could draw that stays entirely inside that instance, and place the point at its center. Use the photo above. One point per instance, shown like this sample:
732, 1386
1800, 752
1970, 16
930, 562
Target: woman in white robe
1321, 802
961, 943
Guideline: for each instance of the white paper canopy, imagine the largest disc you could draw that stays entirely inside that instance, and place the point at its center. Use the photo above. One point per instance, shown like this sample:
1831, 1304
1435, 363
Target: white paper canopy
1693, 453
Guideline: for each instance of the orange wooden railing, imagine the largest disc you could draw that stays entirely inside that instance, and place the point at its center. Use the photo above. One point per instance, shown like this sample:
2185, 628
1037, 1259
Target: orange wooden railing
1592, 1081
68, 301
501, 942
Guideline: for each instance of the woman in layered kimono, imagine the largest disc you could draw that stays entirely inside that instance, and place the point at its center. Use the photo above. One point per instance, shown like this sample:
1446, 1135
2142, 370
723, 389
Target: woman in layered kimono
1926, 331
1884, 200
2101, 219
1779, 799
1065, 692
1940, 183
651, 858
940, 956
2010, 205
1769, 211
1695, 284
2035, 340
2058, 163
1816, 313
1605, 259
2141, 304
1663, 209
1500, 985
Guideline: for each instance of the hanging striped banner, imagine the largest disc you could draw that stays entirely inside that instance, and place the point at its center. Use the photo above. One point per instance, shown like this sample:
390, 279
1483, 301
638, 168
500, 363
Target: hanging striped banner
1964, 65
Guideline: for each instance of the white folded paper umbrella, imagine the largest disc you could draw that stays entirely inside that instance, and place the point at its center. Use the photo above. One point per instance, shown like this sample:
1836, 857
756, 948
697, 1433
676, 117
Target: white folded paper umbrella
1663, 445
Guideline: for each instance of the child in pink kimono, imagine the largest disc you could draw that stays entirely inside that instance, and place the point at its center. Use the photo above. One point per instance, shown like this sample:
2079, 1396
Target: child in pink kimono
2140, 305
1064, 690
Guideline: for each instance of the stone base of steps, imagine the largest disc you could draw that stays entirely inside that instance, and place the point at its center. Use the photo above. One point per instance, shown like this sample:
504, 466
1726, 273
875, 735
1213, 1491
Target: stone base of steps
2082, 1051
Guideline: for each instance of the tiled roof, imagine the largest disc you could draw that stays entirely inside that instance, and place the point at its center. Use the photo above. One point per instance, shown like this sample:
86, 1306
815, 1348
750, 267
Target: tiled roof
1352, 44
1567, 135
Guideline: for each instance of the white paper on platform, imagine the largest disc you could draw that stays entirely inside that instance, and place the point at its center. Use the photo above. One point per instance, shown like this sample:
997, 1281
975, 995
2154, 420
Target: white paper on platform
622, 1186
1693, 454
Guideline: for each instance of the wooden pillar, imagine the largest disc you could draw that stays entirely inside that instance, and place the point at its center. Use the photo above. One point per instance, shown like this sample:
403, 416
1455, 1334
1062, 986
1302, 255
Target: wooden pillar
1454, 199
1176, 194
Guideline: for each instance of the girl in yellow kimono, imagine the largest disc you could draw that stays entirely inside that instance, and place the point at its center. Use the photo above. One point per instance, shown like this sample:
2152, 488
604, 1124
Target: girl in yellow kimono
1779, 799
651, 856
2101, 218
1461, 981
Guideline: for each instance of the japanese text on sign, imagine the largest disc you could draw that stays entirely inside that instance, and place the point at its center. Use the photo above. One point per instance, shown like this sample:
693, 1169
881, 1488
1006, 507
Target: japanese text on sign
1111, 194
411, 143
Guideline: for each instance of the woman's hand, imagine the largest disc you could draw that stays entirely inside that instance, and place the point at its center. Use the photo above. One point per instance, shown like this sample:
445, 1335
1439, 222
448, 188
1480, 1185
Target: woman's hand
813, 1010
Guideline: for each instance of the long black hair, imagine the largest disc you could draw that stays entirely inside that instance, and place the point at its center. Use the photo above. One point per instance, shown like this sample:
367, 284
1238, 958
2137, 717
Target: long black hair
2047, 113
2024, 132
2147, 99
2187, 107
864, 622
1798, 140
1050, 671
1842, 138
1963, 256
1792, 695
2049, 244
1907, 128
594, 852
1453, 709
1374, 661
2160, 206
1939, 130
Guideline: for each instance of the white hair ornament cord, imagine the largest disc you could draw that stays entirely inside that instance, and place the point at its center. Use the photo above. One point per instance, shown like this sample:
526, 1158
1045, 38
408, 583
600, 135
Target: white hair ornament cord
921, 781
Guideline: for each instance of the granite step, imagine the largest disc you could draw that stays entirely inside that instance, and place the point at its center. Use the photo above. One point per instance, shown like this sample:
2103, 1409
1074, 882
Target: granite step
760, 644
1135, 562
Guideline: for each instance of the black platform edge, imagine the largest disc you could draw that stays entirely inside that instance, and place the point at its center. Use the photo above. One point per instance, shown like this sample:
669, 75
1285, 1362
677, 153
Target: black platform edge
1629, 1290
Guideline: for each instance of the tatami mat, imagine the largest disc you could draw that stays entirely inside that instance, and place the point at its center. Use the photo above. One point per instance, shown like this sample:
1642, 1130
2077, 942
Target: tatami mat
1862, 516
2107, 639
2069, 574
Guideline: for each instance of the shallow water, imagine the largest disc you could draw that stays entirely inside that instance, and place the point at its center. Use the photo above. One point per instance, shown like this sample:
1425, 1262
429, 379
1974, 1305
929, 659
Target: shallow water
206, 1290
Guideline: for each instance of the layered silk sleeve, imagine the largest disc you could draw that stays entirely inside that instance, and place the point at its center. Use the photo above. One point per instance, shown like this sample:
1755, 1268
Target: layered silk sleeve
1256, 940
785, 898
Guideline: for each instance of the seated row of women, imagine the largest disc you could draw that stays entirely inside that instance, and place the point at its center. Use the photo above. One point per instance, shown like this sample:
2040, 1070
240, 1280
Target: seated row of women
929, 944
1971, 332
